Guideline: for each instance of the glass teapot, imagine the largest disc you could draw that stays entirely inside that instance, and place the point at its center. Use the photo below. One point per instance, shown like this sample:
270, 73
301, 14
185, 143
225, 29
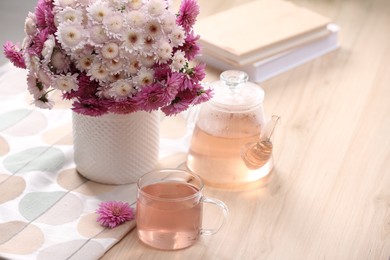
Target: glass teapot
225, 147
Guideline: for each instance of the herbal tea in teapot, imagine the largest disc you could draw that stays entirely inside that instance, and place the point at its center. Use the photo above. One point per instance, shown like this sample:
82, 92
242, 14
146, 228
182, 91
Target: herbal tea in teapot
226, 124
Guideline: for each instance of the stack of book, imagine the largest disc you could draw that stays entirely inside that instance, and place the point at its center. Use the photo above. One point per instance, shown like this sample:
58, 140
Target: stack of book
265, 38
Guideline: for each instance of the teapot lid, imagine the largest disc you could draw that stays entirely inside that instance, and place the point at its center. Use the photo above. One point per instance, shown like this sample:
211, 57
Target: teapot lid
234, 93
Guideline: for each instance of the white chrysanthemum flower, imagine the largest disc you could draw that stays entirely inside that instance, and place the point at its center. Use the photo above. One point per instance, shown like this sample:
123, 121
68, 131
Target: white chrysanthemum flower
177, 36
117, 76
85, 62
59, 61
97, 35
114, 66
134, 65
103, 92
156, 7
132, 40
148, 61
32, 62
135, 4
79, 53
66, 82
153, 29
69, 14
113, 23
168, 22
136, 19
122, 89
98, 72
110, 50
149, 46
48, 48
178, 60
164, 51
144, 77
97, 11
71, 35
30, 26
44, 102
45, 77
26, 42
34, 87
65, 3
123, 54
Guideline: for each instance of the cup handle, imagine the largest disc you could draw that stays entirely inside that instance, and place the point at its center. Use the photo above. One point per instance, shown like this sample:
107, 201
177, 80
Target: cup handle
225, 212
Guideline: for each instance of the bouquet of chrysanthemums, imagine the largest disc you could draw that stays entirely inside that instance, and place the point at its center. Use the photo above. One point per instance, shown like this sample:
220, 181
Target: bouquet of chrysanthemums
112, 56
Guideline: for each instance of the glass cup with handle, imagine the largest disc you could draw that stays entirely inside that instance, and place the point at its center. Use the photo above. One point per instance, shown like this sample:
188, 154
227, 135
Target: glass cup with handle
170, 209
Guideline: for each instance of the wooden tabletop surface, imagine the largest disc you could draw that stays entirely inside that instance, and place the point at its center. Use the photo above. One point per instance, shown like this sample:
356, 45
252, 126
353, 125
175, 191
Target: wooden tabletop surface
328, 196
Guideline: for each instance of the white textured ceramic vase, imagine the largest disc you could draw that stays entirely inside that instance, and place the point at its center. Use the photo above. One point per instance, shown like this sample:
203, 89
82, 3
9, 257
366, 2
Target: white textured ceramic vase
116, 149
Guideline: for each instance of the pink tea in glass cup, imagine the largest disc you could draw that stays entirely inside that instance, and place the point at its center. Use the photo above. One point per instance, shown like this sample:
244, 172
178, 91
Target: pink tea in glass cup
170, 209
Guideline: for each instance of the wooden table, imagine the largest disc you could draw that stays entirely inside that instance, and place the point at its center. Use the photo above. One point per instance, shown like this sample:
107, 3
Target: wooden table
329, 194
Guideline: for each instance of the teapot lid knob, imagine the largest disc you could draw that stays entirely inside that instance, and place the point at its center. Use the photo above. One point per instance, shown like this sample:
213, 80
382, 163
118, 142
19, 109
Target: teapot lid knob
234, 77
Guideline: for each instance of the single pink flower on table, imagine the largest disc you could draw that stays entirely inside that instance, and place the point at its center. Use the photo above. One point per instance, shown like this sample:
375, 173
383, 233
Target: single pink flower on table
114, 213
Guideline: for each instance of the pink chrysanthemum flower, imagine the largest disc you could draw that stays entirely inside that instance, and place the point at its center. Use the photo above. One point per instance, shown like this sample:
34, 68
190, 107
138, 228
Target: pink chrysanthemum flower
202, 95
45, 16
174, 80
174, 109
189, 10
161, 71
172, 86
188, 83
90, 107
86, 89
151, 97
13, 53
176, 106
114, 213
38, 43
190, 46
198, 72
123, 107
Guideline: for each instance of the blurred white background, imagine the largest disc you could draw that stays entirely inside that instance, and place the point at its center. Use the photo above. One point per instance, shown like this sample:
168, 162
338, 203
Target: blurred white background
12, 16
